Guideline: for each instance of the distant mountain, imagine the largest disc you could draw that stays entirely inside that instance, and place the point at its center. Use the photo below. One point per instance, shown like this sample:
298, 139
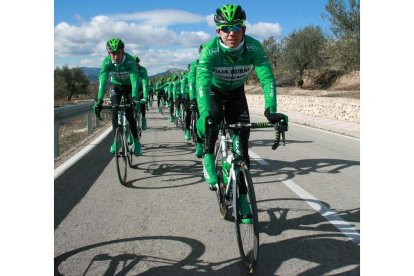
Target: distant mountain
167, 73
92, 73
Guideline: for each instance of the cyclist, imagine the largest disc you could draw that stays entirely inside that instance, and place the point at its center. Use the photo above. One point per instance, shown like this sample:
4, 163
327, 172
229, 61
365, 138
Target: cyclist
176, 94
224, 64
170, 86
160, 90
121, 67
142, 92
186, 103
151, 91
192, 67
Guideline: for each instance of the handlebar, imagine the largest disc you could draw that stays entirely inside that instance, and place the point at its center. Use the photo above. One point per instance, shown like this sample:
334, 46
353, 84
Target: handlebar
108, 107
281, 126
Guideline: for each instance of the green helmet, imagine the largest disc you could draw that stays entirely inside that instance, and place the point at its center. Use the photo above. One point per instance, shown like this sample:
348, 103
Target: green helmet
229, 14
114, 45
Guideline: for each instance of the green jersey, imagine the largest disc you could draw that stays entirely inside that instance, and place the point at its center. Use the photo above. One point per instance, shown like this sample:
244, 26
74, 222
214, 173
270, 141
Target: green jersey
143, 75
184, 86
125, 73
192, 79
227, 69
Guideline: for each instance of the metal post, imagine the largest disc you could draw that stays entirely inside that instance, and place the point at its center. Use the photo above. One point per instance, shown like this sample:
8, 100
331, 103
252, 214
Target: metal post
89, 122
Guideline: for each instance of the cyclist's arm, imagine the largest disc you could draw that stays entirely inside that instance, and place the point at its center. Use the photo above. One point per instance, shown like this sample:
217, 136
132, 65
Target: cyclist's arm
103, 78
134, 78
145, 81
174, 89
204, 75
192, 80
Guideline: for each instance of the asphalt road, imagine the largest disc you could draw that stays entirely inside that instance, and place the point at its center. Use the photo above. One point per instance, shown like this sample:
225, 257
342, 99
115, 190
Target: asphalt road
165, 221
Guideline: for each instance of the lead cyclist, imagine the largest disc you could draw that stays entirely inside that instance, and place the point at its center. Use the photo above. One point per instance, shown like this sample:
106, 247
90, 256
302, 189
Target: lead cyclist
225, 63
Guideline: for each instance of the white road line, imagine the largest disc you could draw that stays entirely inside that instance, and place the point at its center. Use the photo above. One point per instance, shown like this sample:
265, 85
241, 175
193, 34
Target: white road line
62, 168
345, 227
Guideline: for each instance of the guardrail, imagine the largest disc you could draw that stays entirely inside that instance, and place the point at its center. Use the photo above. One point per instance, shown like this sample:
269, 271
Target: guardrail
67, 113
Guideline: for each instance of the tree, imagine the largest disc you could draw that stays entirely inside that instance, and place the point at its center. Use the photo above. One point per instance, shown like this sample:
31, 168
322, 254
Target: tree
273, 50
304, 49
70, 82
345, 26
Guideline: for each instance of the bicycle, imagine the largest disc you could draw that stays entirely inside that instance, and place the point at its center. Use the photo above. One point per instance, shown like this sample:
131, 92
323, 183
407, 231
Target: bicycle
234, 179
124, 141
193, 122
180, 119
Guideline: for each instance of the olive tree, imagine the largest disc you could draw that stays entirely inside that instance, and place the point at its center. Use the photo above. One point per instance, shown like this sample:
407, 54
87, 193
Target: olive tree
345, 26
304, 49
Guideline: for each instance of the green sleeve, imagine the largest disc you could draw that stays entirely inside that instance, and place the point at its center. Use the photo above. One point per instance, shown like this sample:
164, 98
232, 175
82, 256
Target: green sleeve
192, 80
174, 89
103, 78
133, 76
203, 80
145, 81
184, 82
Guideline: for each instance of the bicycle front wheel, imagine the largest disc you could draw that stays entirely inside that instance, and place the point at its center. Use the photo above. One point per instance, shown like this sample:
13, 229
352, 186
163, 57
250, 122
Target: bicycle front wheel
121, 155
247, 225
182, 114
221, 191
130, 147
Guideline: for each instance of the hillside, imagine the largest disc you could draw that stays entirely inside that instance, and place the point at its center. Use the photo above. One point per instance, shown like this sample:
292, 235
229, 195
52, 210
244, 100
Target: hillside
92, 73
326, 84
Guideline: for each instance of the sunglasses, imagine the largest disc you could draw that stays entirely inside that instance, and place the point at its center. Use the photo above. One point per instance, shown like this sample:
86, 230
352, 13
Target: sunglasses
115, 53
229, 28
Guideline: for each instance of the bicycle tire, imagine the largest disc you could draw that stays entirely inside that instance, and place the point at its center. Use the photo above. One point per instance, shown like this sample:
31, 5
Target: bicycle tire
194, 118
182, 115
130, 146
220, 192
247, 234
138, 120
120, 155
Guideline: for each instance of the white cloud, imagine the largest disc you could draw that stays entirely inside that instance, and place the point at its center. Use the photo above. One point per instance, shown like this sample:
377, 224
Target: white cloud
146, 34
263, 30
86, 38
161, 17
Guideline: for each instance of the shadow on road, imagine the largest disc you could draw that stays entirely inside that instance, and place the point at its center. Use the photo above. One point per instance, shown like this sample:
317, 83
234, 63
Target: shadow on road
104, 258
300, 167
74, 183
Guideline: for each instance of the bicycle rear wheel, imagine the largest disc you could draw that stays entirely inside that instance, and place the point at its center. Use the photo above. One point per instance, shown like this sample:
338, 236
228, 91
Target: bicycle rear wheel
182, 115
121, 155
194, 119
247, 234
138, 120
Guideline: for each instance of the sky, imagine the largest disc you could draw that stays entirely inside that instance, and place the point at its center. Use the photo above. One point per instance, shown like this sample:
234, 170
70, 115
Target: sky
166, 34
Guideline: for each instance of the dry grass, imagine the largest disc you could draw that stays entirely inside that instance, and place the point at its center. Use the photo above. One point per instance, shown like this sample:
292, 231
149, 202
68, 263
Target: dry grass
75, 131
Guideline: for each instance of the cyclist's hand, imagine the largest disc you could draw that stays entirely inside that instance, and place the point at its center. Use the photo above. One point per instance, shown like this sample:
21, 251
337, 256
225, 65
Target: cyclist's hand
97, 107
274, 118
271, 115
202, 124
